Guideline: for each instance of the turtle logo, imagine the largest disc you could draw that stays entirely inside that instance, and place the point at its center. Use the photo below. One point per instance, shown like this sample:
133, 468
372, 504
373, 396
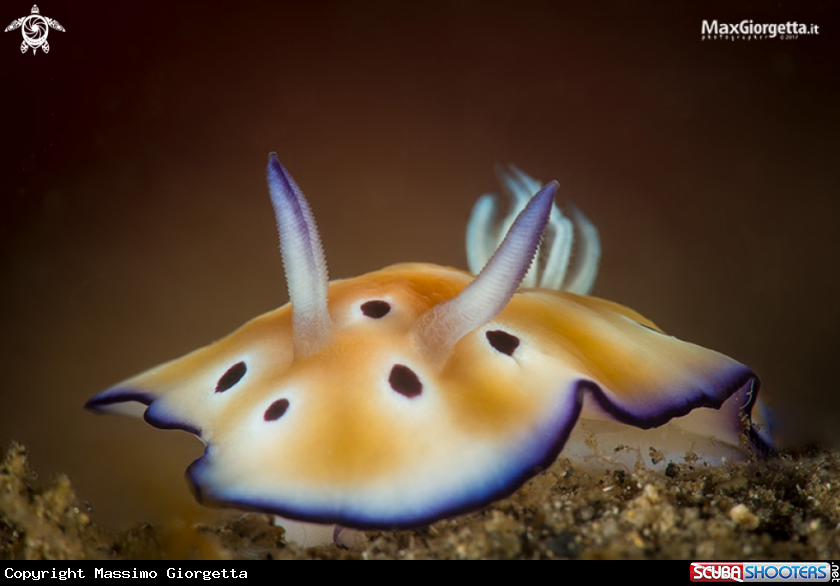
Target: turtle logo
35, 28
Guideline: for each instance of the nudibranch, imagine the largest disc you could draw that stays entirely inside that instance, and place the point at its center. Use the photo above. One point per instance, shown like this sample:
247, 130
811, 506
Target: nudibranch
419, 392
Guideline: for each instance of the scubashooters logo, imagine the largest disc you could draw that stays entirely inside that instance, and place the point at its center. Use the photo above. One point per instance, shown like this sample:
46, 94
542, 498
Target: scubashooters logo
747, 30
35, 29
763, 572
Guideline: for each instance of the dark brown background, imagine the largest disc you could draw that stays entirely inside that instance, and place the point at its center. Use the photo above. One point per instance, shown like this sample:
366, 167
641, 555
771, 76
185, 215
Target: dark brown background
135, 224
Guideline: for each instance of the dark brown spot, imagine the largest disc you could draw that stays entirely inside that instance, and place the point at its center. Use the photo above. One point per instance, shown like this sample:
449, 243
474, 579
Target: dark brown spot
376, 309
277, 409
502, 341
405, 381
233, 375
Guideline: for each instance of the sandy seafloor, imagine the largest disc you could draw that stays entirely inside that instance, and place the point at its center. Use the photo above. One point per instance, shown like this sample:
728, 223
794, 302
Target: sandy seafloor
784, 508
